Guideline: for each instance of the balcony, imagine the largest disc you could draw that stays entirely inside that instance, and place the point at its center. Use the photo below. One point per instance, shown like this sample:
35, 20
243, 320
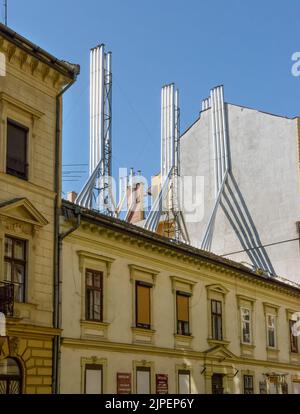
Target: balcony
7, 298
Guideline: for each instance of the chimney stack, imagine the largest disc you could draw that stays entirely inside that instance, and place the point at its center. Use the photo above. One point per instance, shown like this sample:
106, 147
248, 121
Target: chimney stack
71, 196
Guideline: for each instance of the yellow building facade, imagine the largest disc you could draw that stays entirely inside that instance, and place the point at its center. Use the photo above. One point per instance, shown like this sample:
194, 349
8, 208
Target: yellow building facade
31, 86
142, 314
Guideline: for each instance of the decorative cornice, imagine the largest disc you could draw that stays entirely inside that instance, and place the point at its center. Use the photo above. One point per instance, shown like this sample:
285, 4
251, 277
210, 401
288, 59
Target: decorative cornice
114, 229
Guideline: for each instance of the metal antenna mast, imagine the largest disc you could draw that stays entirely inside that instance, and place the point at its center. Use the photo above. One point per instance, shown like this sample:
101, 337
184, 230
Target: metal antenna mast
97, 192
166, 207
5, 12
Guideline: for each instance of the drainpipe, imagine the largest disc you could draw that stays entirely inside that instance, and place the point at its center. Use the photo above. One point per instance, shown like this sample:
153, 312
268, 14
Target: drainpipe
56, 259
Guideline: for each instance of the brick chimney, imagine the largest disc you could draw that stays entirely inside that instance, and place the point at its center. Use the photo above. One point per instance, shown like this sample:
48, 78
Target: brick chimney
135, 198
71, 196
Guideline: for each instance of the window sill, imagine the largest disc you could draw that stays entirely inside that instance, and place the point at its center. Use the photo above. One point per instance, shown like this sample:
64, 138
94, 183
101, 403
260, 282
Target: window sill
94, 329
247, 350
214, 342
272, 353
142, 335
183, 341
295, 357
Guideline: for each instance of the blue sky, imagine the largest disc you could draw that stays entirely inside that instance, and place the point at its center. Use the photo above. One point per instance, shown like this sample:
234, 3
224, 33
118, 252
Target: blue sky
246, 45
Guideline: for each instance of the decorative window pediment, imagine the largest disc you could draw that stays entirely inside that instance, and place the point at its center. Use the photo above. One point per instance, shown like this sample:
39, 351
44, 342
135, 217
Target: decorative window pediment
220, 352
21, 209
217, 289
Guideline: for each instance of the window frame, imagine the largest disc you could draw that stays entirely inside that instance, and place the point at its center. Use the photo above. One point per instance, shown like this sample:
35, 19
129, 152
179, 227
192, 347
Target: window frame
93, 288
294, 346
249, 322
219, 317
13, 262
183, 372
247, 388
180, 323
143, 369
93, 367
149, 286
274, 330
25, 129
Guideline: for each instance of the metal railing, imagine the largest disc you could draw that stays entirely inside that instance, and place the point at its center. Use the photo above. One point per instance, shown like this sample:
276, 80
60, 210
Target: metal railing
7, 298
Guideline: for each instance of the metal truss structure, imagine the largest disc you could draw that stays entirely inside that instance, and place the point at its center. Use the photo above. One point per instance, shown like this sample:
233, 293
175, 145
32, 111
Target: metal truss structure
166, 207
97, 194
227, 194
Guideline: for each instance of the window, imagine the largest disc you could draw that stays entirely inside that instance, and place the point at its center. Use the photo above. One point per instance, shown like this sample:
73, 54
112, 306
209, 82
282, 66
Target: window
246, 325
182, 308
271, 332
184, 382
143, 380
143, 309
16, 155
15, 266
217, 384
248, 384
10, 377
216, 319
93, 383
94, 295
293, 338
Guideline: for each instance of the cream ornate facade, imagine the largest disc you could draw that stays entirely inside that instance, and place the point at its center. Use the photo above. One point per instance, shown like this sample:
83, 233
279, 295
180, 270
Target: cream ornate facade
31, 85
143, 314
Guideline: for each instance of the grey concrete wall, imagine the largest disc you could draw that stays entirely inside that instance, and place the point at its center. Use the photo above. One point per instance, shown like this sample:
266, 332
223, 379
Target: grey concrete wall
263, 192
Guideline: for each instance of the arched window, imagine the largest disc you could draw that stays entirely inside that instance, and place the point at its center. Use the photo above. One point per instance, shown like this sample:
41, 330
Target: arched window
10, 377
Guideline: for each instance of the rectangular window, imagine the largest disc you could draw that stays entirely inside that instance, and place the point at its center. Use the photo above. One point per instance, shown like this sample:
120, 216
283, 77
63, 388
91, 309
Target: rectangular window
271, 330
93, 379
143, 305
248, 384
216, 319
246, 325
217, 384
293, 338
143, 380
182, 308
16, 154
15, 266
184, 382
94, 295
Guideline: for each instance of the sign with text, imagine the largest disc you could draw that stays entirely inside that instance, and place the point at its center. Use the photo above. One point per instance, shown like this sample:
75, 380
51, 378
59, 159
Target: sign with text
123, 383
162, 384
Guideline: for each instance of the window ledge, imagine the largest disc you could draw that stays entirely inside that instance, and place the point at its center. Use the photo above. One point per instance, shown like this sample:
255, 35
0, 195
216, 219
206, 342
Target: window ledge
272, 353
183, 341
214, 342
142, 335
295, 357
245, 345
94, 329
247, 350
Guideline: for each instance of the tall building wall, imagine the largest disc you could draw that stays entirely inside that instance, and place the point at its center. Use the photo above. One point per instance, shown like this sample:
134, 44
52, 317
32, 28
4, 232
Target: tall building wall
261, 198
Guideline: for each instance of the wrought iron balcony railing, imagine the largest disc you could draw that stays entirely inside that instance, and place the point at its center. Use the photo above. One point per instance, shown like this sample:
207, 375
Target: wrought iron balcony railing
7, 298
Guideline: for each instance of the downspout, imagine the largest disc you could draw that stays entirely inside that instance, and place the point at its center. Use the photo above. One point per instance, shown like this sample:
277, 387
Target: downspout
56, 258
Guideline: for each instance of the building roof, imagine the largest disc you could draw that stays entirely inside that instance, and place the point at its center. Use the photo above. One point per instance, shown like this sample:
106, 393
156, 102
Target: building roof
65, 68
69, 210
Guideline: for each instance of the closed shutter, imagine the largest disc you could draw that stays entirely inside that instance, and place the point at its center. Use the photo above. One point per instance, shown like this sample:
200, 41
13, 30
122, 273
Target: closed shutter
143, 318
182, 307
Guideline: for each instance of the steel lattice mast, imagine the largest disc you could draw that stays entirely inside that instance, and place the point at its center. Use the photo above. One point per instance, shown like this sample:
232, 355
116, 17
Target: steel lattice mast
166, 206
97, 192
